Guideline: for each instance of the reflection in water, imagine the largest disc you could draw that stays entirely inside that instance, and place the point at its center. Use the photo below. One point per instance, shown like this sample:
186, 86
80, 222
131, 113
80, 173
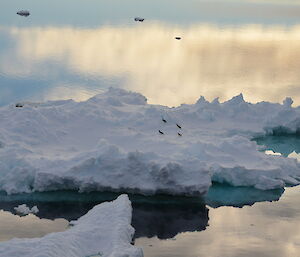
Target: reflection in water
264, 229
161, 216
156, 216
12, 226
167, 220
261, 62
247, 231
284, 144
226, 195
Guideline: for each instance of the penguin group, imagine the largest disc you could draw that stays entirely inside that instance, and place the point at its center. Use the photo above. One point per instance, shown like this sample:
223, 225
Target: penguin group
178, 126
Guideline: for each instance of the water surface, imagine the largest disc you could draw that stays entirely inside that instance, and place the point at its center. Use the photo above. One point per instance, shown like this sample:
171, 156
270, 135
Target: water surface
76, 49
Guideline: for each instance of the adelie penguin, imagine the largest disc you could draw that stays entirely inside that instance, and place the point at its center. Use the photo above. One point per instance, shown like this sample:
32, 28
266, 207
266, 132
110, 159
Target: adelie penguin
178, 126
179, 134
163, 120
160, 132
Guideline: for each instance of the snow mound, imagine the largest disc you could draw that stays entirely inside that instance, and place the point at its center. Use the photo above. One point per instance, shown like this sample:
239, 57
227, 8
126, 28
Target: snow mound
112, 142
23, 209
105, 231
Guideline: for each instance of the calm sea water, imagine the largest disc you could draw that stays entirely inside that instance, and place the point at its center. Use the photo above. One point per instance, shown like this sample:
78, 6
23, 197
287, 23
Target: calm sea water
76, 49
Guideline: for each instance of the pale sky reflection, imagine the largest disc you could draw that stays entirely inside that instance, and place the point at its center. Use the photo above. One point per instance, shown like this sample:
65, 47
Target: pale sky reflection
261, 62
29, 226
264, 229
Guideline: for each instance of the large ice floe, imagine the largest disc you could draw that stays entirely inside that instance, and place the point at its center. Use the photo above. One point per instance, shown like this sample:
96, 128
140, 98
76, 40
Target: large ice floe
111, 142
104, 231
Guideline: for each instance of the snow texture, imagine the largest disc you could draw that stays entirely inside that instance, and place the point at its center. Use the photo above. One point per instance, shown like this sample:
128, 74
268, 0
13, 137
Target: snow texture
104, 231
111, 142
23, 209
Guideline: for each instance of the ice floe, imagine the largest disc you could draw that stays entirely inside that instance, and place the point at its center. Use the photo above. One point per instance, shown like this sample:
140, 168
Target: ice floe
23, 209
111, 142
104, 231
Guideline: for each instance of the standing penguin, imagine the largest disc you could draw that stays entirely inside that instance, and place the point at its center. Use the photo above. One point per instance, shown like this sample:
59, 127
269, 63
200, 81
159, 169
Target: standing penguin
178, 126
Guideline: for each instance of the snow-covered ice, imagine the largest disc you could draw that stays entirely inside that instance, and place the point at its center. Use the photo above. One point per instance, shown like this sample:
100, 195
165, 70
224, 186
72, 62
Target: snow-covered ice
112, 142
104, 231
23, 209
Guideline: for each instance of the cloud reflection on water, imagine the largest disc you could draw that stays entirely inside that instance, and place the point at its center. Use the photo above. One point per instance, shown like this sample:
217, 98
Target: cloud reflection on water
261, 62
265, 229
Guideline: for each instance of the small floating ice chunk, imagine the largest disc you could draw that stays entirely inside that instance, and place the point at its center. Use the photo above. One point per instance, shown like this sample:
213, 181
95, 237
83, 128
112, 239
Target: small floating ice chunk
23, 13
270, 152
34, 209
23, 209
139, 19
294, 155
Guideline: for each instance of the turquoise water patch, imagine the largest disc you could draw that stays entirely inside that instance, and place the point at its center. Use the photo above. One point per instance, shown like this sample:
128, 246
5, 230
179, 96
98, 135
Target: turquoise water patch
226, 195
286, 145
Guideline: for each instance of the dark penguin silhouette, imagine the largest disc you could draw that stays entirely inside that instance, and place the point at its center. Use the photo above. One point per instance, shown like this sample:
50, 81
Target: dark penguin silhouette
139, 19
178, 126
179, 134
23, 13
163, 120
178, 38
19, 105
161, 132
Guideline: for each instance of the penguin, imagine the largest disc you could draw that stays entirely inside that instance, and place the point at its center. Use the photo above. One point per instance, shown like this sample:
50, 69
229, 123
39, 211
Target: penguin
139, 19
179, 134
163, 120
162, 133
23, 13
178, 126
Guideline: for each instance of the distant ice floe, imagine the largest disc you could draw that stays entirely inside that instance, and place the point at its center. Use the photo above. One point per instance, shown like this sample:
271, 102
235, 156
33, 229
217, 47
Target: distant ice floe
104, 231
23, 209
111, 142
